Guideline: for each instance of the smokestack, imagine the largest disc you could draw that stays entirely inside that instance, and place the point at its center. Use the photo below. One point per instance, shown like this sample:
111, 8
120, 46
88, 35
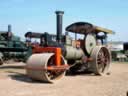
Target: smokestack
9, 28
59, 20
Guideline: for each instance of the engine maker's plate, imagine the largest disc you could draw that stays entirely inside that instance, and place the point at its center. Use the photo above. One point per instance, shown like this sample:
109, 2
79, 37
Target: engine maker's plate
90, 43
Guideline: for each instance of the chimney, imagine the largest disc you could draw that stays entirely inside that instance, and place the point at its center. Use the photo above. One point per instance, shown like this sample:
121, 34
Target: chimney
59, 21
9, 28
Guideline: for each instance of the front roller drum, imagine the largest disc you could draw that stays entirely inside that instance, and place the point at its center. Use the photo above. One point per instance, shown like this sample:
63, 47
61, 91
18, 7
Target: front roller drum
39, 67
100, 64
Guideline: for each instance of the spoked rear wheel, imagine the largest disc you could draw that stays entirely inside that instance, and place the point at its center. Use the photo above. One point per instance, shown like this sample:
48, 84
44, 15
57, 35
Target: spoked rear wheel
101, 60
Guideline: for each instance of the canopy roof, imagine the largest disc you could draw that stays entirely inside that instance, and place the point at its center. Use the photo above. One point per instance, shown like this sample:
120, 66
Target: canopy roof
85, 27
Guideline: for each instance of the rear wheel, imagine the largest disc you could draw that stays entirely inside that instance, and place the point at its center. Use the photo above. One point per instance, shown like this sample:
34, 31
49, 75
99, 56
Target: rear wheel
100, 64
1, 61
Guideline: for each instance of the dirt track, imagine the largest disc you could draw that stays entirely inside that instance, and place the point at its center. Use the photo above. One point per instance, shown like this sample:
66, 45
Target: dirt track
13, 82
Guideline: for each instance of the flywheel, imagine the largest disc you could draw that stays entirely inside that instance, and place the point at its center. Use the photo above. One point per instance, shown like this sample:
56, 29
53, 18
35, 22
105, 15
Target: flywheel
89, 43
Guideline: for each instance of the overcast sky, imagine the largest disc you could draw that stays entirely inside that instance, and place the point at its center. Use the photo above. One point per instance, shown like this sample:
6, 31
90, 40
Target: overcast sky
38, 15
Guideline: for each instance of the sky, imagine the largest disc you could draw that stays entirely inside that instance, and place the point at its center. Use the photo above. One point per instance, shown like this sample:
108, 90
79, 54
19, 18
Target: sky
39, 15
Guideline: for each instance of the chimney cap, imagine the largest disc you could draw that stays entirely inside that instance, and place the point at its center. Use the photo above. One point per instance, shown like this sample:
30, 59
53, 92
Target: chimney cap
59, 12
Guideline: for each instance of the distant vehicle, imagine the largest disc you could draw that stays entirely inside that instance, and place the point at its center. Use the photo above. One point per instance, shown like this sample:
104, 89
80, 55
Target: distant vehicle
11, 47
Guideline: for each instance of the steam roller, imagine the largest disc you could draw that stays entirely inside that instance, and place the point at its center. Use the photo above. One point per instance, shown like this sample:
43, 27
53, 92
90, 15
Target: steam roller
43, 67
58, 53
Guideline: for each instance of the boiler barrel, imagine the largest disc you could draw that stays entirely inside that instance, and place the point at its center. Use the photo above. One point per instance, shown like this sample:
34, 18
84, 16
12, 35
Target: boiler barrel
73, 53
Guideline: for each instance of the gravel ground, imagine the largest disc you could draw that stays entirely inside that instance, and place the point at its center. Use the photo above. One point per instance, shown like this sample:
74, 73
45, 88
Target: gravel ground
14, 82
